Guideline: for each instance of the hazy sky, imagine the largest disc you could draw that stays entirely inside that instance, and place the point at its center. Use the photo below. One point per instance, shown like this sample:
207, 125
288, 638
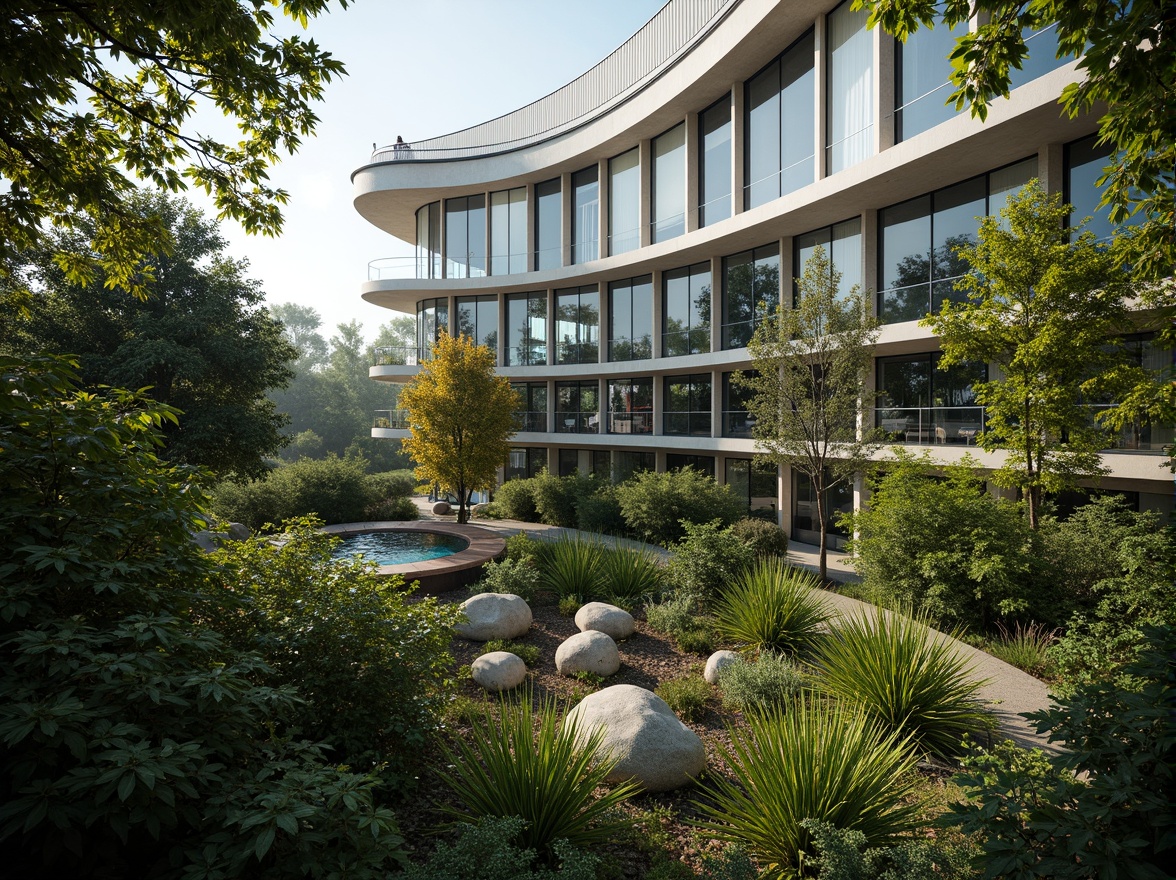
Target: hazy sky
416, 69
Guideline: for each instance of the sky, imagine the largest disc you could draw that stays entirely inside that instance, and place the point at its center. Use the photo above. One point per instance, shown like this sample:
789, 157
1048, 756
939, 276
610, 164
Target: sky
417, 70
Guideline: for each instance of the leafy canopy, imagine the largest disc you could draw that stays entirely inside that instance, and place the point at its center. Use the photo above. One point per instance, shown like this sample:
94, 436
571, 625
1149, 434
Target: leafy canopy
99, 96
461, 416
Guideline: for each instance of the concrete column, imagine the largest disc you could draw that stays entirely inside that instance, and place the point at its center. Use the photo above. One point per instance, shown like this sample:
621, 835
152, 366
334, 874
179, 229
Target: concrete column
567, 199
692, 149
884, 99
550, 295
646, 173
441, 244
602, 211
784, 498
820, 40
716, 328
738, 133
716, 405
605, 321
531, 263
659, 387
787, 272
551, 426
870, 279
1051, 168
658, 312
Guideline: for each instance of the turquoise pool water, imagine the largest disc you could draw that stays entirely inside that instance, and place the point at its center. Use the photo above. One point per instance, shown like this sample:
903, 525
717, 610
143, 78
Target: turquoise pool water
397, 548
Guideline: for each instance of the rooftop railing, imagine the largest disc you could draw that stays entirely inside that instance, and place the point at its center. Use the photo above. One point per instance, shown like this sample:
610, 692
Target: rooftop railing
665, 38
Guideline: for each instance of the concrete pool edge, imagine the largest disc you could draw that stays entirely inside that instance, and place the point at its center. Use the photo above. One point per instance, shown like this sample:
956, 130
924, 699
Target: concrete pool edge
445, 573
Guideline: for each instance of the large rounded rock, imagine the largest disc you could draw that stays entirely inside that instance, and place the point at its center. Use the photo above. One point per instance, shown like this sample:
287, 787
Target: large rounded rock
588, 652
617, 623
441, 508
499, 671
494, 616
643, 734
716, 662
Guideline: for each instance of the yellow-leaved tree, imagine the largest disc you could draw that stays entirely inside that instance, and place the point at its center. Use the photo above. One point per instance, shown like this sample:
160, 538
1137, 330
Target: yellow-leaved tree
461, 417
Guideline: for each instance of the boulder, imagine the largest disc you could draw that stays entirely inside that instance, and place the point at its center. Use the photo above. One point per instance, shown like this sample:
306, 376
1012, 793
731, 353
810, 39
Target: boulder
441, 508
494, 616
643, 734
589, 651
716, 662
238, 531
499, 671
608, 619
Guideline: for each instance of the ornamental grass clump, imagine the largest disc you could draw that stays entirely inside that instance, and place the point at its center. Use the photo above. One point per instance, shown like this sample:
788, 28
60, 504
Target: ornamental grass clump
907, 676
772, 607
1025, 646
573, 568
629, 577
527, 764
814, 760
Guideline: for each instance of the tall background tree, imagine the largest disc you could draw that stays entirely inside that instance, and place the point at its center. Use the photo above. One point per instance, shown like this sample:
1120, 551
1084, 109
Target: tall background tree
1045, 305
201, 341
810, 367
461, 417
100, 96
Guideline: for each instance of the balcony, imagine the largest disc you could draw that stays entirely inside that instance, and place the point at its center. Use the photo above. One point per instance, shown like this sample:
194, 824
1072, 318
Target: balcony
577, 422
931, 424
400, 355
391, 418
530, 421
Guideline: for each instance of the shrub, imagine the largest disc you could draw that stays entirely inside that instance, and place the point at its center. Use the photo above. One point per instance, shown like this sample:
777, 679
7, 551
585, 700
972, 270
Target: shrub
572, 568
133, 732
810, 761
392, 510
945, 547
766, 681
392, 484
765, 538
521, 547
656, 504
569, 605
707, 559
1024, 646
905, 675
686, 696
370, 665
508, 576
531, 767
844, 855
557, 498
1036, 818
677, 617
600, 512
517, 499
484, 852
529, 654
629, 577
772, 607
697, 640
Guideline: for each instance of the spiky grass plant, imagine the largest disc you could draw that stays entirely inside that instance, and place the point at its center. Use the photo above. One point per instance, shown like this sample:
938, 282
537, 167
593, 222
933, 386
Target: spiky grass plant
815, 760
772, 607
909, 677
572, 568
629, 577
528, 766
1024, 646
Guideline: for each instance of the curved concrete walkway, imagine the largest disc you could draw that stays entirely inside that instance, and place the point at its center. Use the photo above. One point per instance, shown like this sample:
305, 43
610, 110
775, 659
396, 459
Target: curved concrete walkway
1007, 690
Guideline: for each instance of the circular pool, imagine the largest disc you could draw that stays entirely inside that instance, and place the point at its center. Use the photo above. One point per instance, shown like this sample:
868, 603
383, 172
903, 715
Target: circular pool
400, 547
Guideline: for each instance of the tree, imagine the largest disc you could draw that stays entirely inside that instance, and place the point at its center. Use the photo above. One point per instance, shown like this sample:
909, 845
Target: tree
202, 341
301, 326
810, 364
1128, 66
397, 335
1044, 305
100, 96
460, 416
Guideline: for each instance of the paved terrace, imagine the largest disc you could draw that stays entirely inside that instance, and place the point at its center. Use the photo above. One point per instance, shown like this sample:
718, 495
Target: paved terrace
1008, 690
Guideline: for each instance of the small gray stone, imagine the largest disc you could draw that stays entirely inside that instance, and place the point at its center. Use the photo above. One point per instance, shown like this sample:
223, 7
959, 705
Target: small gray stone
499, 671
494, 616
608, 619
648, 740
589, 651
717, 662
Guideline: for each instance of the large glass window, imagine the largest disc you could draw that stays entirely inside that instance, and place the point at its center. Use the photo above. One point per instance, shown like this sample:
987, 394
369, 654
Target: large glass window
842, 243
477, 318
432, 321
737, 419
1042, 46
465, 237
780, 122
577, 407
668, 210
624, 202
428, 244
1085, 163
850, 129
751, 292
585, 216
630, 406
923, 403
754, 480
675, 461
922, 74
508, 231
630, 309
630, 462
524, 462
548, 225
918, 260
533, 415
805, 524
686, 408
714, 165
686, 310
526, 329
577, 325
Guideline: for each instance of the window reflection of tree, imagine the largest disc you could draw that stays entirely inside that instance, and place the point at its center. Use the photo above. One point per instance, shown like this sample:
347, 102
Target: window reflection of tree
917, 277
752, 293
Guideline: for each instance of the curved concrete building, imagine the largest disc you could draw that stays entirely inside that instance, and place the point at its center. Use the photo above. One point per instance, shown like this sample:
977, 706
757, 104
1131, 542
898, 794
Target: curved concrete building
617, 241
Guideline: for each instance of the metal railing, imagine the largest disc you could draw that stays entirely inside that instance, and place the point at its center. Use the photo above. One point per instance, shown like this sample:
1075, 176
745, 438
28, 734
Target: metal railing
931, 424
391, 418
577, 422
692, 423
1136, 436
526, 420
399, 355
646, 55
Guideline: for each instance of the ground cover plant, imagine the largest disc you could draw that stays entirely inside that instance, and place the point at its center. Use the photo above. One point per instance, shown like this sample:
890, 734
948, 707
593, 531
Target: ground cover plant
767, 680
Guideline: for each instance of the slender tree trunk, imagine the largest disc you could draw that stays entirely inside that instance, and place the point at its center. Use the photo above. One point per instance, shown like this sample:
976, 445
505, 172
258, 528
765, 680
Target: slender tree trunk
462, 511
1033, 496
820, 487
